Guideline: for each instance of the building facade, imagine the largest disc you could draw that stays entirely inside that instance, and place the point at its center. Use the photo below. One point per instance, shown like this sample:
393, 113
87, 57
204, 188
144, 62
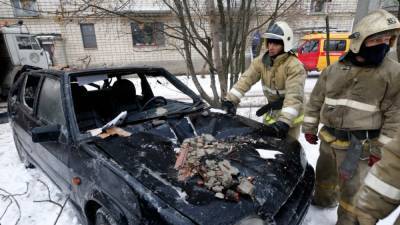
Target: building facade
87, 37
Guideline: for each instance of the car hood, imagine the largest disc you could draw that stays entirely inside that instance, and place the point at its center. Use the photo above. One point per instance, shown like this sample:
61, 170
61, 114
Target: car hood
150, 159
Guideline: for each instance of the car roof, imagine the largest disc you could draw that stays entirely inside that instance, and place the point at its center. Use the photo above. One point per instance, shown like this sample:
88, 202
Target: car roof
341, 35
117, 71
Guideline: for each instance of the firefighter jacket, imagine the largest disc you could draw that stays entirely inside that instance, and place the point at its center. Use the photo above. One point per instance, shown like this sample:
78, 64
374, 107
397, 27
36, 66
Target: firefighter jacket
283, 76
349, 97
380, 194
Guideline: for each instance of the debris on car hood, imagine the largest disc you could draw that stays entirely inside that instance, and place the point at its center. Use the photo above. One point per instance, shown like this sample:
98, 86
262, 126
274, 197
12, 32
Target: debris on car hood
110, 132
274, 167
203, 156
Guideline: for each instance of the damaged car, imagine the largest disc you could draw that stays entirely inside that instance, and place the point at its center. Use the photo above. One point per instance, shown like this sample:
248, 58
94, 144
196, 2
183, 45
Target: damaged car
126, 153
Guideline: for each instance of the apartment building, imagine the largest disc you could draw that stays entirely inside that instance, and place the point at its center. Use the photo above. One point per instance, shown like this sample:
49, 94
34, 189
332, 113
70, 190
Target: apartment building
82, 38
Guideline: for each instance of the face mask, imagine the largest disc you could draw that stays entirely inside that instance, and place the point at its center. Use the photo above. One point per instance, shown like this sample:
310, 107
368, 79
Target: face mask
373, 55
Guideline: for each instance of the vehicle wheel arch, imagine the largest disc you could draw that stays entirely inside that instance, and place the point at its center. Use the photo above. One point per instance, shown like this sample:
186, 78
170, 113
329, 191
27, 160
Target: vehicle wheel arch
100, 200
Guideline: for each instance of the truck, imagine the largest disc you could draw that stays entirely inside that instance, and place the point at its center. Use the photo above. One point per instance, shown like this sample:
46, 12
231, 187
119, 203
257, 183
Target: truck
19, 51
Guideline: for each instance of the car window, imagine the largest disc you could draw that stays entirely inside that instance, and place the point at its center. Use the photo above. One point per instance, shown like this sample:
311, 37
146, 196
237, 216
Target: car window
310, 46
335, 45
162, 87
30, 89
16, 89
26, 43
50, 105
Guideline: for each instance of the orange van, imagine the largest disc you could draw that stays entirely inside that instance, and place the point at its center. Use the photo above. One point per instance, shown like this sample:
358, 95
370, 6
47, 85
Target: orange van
312, 49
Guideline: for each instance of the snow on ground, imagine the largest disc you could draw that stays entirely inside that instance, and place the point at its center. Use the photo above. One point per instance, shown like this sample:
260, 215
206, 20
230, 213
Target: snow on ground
15, 179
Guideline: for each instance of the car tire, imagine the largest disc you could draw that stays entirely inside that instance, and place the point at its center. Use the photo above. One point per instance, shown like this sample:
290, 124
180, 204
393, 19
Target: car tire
104, 217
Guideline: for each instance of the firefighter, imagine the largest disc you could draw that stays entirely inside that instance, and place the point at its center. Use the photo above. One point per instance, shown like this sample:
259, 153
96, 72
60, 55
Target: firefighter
356, 101
282, 77
380, 194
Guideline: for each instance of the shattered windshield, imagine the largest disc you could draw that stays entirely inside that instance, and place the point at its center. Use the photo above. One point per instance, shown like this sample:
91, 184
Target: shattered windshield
99, 99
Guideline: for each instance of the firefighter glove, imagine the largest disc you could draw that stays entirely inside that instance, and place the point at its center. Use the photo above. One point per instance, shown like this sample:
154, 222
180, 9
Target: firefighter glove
311, 138
281, 128
229, 107
373, 159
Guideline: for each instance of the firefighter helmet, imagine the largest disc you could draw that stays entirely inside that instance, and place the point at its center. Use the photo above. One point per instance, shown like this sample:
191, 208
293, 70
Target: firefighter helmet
377, 22
281, 31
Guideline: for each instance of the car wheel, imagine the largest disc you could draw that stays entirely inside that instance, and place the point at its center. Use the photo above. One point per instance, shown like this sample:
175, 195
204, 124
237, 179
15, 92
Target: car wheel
103, 217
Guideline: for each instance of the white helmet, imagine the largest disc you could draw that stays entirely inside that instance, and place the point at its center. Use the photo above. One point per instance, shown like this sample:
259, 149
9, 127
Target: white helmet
281, 31
377, 22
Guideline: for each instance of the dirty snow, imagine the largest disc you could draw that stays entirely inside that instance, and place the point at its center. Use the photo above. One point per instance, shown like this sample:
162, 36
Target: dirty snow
27, 183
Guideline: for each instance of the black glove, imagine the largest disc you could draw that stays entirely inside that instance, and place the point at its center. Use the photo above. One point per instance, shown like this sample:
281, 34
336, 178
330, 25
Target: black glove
275, 105
229, 107
281, 128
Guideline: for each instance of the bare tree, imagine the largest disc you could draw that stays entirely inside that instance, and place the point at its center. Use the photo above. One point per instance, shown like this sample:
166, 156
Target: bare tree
224, 44
216, 32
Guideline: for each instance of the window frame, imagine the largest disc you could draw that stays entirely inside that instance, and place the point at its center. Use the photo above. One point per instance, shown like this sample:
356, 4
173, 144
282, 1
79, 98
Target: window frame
19, 11
22, 93
157, 42
326, 44
33, 43
308, 43
84, 36
314, 3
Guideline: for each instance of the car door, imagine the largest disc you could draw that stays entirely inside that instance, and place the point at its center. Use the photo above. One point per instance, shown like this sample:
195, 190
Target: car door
308, 54
53, 155
22, 108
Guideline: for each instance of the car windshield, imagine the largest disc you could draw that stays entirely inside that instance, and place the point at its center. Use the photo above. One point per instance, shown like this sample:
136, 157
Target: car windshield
100, 98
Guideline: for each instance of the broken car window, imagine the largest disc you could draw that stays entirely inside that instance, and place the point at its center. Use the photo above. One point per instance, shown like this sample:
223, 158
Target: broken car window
50, 104
30, 89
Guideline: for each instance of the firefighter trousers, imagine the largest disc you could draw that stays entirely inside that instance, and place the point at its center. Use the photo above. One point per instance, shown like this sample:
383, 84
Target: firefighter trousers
330, 188
366, 219
294, 132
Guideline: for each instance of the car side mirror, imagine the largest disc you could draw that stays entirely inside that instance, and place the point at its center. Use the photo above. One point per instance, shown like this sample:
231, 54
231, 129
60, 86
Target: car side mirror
46, 133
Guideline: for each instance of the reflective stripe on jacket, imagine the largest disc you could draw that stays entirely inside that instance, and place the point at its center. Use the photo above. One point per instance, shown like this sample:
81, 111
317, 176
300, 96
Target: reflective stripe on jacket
380, 194
348, 97
285, 77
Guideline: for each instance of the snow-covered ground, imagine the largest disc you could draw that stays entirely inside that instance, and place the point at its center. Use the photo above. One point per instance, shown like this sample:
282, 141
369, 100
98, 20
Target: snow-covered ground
27, 186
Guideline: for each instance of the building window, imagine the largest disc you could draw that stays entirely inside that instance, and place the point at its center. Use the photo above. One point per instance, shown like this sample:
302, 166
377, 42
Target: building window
88, 35
23, 8
335, 45
318, 5
148, 34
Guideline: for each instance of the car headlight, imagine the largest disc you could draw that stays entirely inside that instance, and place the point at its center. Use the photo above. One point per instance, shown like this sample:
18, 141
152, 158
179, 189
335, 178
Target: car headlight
251, 220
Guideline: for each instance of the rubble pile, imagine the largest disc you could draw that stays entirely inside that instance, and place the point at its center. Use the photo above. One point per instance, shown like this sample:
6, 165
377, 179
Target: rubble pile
204, 156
